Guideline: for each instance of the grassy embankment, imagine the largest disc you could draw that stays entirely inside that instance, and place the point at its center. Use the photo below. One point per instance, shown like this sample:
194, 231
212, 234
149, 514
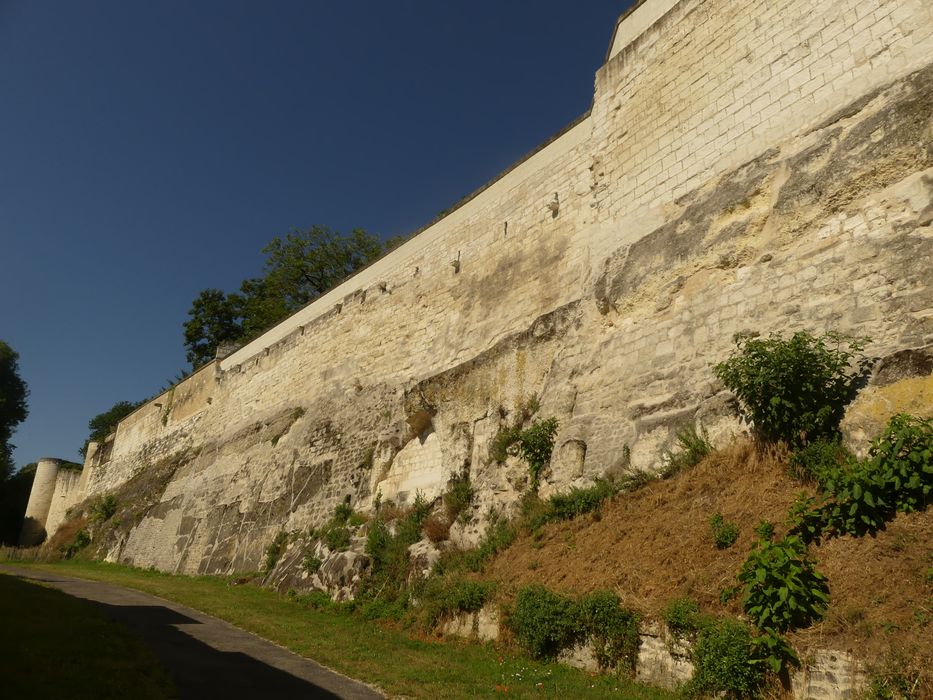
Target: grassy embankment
373, 652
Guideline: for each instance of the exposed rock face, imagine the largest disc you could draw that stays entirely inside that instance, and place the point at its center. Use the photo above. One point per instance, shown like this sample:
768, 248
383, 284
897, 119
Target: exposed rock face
901, 383
766, 184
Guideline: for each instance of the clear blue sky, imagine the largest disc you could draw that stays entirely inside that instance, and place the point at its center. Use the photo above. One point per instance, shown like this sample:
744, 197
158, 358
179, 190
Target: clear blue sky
150, 148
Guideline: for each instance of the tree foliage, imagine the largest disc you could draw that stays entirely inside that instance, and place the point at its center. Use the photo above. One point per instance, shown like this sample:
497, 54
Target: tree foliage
105, 423
13, 410
299, 268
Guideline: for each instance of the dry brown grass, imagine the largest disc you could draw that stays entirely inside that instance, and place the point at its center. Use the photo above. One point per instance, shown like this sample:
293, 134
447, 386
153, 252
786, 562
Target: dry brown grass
655, 544
64, 536
436, 529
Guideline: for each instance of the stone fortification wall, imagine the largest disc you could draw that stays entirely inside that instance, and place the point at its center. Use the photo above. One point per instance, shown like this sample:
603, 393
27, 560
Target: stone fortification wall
763, 166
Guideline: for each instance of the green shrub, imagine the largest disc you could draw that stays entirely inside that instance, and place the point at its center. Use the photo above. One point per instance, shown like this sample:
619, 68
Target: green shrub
544, 623
275, 549
794, 390
682, 617
782, 588
816, 461
505, 438
580, 500
343, 512
458, 497
82, 539
535, 445
440, 597
725, 662
725, 533
389, 552
612, 630
692, 445
901, 462
337, 538
104, 508
765, 530
860, 497
311, 563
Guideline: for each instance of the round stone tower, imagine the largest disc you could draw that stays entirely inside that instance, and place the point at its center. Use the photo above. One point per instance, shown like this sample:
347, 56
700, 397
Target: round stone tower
40, 500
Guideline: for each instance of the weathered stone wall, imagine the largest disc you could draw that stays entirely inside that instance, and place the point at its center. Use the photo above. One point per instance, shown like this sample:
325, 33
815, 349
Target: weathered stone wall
763, 166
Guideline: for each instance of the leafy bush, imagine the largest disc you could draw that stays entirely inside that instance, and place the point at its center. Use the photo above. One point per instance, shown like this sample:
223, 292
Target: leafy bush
389, 552
337, 538
275, 549
901, 462
544, 623
795, 390
82, 539
611, 629
782, 589
104, 508
535, 445
693, 446
725, 533
682, 617
816, 461
765, 530
311, 563
342, 512
579, 501
440, 597
860, 497
458, 497
725, 662
505, 438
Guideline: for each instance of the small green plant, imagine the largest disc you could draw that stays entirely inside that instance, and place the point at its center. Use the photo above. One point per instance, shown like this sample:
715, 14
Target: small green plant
793, 389
504, 440
311, 563
725, 662
535, 445
765, 530
337, 538
82, 539
580, 500
682, 617
342, 512
692, 445
725, 533
782, 588
275, 549
458, 497
816, 461
104, 508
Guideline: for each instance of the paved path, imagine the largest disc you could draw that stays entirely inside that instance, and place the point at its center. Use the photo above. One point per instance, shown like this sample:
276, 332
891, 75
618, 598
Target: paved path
207, 657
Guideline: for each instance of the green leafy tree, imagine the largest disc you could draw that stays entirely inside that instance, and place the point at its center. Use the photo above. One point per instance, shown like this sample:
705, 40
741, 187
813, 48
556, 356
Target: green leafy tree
213, 319
105, 423
13, 410
299, 268
305, 264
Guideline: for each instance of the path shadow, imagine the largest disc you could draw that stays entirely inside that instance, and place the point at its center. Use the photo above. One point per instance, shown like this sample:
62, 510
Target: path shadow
200, 670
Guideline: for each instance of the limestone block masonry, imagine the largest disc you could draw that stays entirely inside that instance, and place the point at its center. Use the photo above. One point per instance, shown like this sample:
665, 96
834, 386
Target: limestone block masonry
745, 165
40, 501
